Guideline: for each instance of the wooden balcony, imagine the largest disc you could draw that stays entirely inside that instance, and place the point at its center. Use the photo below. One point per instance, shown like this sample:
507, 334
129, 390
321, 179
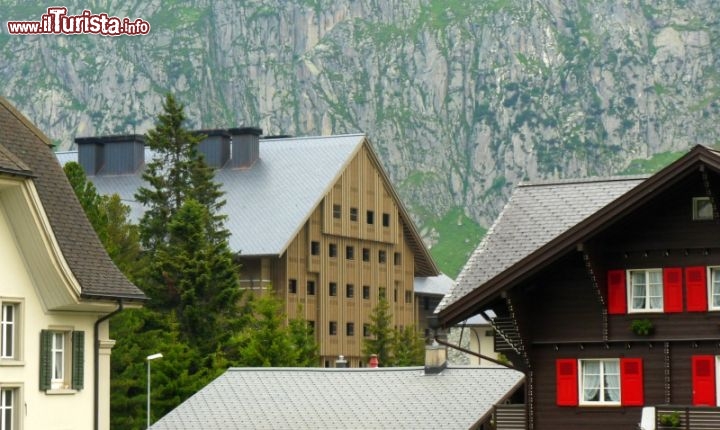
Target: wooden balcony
670, 417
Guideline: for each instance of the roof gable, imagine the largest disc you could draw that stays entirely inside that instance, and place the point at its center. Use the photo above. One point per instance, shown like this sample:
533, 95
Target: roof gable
25, 150
541, 222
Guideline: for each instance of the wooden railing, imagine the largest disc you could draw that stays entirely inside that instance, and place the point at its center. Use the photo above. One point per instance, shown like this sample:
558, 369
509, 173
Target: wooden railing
510, 417
687, 417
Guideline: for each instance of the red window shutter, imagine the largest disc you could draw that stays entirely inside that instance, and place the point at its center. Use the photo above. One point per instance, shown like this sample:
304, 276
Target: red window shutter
631, 382
696, 289
672, 289
617, 299
703, 380
567, 384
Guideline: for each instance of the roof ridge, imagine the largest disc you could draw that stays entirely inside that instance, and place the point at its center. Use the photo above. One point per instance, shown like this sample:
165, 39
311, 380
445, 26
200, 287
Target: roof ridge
586, 180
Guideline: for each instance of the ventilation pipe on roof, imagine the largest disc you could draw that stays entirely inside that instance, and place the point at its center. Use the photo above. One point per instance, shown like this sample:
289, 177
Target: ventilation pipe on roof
435, 358
373, 362
341, 362
245, 146
112, 155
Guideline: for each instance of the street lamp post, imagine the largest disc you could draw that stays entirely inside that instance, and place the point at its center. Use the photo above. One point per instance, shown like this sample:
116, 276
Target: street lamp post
149, 359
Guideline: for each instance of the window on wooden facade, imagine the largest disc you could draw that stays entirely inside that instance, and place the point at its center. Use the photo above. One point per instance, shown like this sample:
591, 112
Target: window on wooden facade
9, 330
382, 292
350, 252
62, 359
382, 256
397, 259
311, 325
332, 328
349, 291
370, 217
333, 289
9, 408
337, 211
366, 292
332, 250
408, 296
702, 208
713, 277
292, 286
386, 220
395, 295
366, 330
353, 214
591, 382
311, 288
350, 329
646, 290
366, 254
315, 247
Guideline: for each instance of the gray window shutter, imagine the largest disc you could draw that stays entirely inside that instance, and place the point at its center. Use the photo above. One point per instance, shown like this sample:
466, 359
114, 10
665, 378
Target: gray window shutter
78, 359
45, 359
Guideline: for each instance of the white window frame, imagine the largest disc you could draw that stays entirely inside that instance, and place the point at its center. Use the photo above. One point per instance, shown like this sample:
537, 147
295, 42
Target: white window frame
601, 388
696, 212
60, 357
15, 390
647, 308
713, 270
15, 326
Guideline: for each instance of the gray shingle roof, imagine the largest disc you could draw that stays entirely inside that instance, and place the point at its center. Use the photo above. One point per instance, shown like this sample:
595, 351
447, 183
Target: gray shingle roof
317, 398
535, 215
27, 150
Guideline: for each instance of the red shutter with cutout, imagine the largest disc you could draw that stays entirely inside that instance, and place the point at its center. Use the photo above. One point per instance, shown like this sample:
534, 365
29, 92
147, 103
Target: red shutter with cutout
567, 384
617, 299
703, 380
672, 290
696, 289
631, 382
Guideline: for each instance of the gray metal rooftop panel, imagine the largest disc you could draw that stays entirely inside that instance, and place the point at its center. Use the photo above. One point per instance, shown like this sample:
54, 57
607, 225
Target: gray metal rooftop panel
268, 203
433, 285
535, 215
316, 398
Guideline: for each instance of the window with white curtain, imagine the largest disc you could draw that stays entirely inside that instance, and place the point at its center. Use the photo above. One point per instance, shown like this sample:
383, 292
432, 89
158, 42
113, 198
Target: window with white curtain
714, 280
600, 381
646, 290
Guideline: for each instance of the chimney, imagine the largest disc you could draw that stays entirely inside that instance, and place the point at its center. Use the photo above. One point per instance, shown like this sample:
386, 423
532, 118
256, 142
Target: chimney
373, 362
215, 147
245, 146
111, 155
341, 362
435, 358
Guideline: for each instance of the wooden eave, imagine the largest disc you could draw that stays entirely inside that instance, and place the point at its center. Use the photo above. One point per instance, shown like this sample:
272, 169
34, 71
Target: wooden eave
692, 162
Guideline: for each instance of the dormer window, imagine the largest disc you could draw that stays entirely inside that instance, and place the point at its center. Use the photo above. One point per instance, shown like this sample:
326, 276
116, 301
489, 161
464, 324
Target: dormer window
702, 209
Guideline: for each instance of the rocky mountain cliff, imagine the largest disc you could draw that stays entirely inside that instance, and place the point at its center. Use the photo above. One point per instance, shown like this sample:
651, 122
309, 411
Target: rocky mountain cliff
461, 98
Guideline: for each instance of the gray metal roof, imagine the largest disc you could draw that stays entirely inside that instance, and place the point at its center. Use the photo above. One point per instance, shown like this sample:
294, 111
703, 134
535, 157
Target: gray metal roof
268, 203
535, 215
433, 285
317, 398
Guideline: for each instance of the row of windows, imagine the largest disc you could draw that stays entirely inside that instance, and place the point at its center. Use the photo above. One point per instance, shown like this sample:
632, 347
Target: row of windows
661, 290
350, 253
369, 215
349, 329
349, 290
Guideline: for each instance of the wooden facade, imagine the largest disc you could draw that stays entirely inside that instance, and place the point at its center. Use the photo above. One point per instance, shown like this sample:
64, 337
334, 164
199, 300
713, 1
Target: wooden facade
569, 309
353, 248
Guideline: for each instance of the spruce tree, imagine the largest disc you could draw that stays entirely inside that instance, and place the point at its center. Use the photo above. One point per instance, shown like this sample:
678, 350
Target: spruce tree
408, 347
380, 340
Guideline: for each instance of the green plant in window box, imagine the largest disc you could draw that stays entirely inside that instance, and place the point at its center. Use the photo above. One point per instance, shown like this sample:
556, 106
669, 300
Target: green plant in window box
671, 420
643, 327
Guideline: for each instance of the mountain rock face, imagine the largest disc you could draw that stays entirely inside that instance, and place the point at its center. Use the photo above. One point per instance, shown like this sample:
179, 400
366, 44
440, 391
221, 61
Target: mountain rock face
461, 98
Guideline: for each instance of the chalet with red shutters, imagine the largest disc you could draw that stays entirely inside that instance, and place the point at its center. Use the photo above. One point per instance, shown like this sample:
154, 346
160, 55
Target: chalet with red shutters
606, 294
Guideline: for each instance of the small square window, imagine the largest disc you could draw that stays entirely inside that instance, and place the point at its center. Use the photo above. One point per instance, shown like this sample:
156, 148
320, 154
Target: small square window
366, 254
292, 286
349, 291
337, 211
366, 292
395, 295
397, 259
386, 220
332, 250
370, 217
353, 214
311, 288
333, 328
350, 252
702, 209
408, 296
333, 289
315, 248
382, 292
350, 329
645, 292
366, 330
382, 256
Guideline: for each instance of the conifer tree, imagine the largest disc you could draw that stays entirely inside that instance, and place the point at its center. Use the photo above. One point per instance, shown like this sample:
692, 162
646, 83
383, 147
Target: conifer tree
408, 347
380, 340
